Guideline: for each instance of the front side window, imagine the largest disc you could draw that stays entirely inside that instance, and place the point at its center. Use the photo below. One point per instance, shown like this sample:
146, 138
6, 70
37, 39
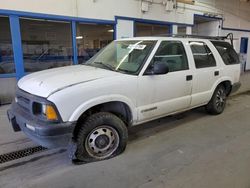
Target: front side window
227, 52
203, 56
173, 54
123, 56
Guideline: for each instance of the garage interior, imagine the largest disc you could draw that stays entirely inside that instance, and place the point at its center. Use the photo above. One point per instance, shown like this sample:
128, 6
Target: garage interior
190, 149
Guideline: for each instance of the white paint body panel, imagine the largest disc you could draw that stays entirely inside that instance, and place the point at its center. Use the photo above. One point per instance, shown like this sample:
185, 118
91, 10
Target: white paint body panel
75, 89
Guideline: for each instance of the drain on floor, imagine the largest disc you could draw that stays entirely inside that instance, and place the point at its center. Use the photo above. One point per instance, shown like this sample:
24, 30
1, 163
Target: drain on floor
20, 154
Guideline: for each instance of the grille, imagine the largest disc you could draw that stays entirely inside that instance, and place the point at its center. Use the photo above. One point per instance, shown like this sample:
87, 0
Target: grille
20, 154
23, 101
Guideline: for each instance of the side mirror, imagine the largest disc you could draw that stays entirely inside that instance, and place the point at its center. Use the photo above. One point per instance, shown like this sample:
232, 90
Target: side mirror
160, 68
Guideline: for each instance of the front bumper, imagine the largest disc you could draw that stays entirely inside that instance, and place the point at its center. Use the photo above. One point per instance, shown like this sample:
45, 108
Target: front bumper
47, 134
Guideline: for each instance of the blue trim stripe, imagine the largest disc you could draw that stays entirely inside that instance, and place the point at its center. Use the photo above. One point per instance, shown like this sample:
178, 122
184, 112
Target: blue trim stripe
170, 30
74, 43
17, 45
114, 33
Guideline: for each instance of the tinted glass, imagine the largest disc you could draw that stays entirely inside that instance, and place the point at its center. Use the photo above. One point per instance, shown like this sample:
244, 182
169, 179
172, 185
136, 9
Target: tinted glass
46, 44
91, 38
142, 29
6, 53
203, 56
227, 52
173, 54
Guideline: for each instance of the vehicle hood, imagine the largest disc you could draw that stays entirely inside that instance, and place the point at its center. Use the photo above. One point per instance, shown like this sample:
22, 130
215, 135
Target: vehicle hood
45, 83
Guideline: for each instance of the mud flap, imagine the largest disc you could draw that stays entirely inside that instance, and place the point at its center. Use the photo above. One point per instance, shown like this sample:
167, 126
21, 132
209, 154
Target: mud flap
12, 120
72, 149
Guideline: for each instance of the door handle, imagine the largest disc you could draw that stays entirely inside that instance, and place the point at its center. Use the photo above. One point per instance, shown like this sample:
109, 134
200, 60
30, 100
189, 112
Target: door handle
189, 77
216, 73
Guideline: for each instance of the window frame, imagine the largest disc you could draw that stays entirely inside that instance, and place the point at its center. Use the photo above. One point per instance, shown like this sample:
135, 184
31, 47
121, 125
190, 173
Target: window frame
11, 74
185, 52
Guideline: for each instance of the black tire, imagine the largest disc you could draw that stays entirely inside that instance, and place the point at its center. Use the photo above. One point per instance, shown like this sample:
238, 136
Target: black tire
110, 130
218, 101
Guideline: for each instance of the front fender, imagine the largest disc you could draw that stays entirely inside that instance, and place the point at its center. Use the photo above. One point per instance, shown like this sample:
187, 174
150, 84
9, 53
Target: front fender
100, 100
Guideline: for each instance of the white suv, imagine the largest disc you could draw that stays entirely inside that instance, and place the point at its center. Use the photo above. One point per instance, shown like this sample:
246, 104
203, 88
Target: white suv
129, 82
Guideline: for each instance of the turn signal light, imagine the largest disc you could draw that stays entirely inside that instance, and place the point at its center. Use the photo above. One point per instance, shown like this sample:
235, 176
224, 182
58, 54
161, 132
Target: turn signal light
51, 113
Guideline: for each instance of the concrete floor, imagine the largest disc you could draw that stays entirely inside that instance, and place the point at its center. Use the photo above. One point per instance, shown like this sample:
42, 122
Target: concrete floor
192, 149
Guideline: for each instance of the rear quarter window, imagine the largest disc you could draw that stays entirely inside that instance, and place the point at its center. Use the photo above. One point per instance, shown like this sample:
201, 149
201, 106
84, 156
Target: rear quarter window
226, 51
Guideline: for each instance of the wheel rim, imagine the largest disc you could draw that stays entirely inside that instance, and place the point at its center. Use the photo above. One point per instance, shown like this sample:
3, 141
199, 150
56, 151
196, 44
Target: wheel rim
220, 99
102, 142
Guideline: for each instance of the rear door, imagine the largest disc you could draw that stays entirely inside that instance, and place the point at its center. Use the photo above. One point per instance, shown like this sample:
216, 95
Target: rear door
206, 73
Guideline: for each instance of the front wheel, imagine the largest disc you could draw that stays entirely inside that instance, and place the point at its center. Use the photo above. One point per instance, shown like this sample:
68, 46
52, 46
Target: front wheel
103, 135
218, 101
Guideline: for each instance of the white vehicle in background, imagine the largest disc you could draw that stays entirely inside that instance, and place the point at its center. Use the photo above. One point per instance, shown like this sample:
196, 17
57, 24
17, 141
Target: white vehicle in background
129, 82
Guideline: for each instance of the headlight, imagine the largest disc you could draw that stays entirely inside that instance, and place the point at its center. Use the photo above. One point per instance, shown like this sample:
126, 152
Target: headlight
49, 112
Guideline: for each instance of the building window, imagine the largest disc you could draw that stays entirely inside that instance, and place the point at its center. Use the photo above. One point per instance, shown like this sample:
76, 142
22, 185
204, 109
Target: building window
182, 30
203, 56
142, 29
91, 38
46, 44
6, 53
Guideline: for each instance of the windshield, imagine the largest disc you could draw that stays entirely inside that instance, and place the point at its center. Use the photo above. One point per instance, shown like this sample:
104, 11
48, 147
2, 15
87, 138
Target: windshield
123, 56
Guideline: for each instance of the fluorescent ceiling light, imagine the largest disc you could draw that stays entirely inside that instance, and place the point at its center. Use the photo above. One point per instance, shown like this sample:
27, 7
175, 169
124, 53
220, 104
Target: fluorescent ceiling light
111, 30
79, 37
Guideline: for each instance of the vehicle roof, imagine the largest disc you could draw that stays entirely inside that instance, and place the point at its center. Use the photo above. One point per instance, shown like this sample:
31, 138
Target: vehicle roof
166, 38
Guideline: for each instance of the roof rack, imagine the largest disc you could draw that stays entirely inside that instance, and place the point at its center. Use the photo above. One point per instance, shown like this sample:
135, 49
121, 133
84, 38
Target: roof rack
229, 36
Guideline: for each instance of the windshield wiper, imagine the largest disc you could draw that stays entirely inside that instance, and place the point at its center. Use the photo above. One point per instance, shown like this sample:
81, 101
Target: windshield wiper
105, 65
125, 71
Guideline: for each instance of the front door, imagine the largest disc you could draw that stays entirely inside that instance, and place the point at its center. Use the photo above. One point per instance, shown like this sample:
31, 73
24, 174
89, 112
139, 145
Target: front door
167, 93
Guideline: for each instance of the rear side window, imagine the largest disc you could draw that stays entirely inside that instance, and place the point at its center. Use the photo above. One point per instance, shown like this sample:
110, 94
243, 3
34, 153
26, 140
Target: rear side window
173, 54
227, 52
203, 56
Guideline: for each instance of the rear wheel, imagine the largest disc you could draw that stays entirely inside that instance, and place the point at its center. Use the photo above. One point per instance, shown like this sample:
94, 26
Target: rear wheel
103, 135
218, 102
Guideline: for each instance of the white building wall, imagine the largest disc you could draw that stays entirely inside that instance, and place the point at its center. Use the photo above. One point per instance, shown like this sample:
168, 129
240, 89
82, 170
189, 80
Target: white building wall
124, 29
175, 29
208, 28
62, 7
230, 10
